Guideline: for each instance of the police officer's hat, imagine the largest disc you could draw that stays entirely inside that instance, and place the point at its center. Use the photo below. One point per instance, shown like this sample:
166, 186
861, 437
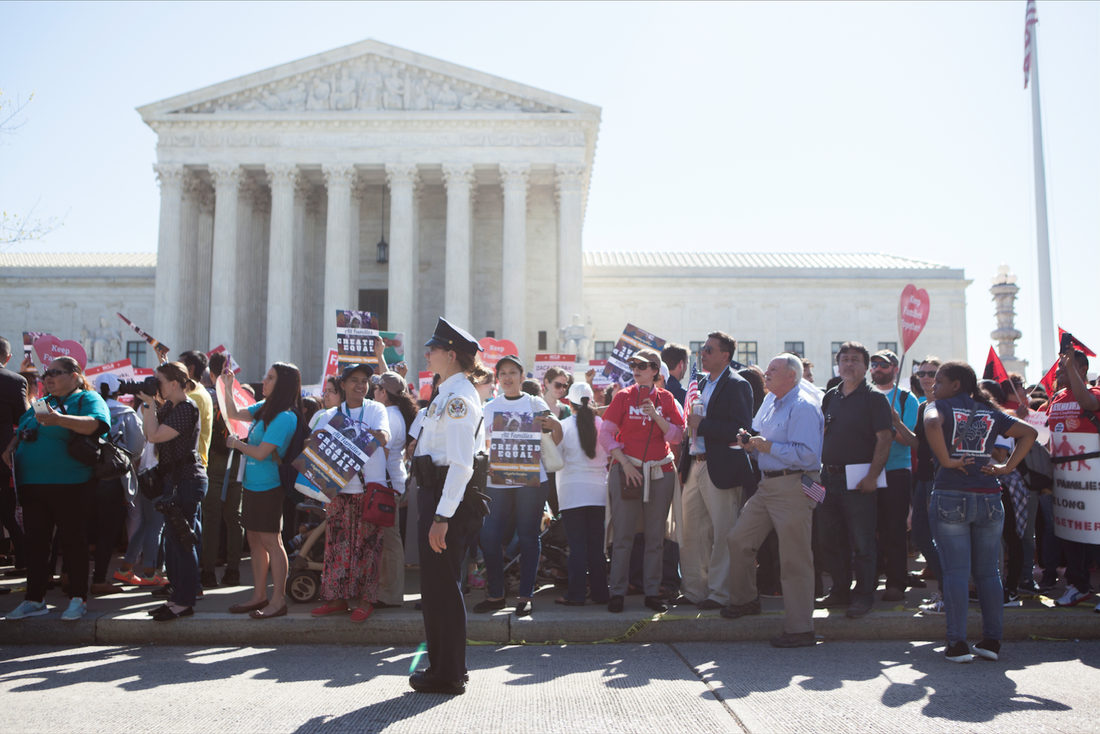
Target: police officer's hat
450, 337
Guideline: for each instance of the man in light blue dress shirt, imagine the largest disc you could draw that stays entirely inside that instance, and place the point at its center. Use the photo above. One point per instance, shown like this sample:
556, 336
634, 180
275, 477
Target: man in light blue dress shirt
788, 448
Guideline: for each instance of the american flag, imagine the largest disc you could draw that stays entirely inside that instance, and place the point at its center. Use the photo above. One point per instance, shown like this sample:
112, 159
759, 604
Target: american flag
812, 489
692, 389
1030, 19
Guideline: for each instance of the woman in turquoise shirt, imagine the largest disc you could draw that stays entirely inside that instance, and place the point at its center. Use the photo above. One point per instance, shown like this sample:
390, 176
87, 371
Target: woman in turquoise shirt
53, 487
274, 421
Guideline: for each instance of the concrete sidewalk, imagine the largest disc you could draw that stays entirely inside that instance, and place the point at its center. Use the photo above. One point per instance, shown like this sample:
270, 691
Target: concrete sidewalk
121, 618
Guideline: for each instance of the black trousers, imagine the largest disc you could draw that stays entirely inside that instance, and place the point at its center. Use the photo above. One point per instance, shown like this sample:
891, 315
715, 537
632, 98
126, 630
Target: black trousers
7, 516
108, 516
441, 576
893, 543
67, 507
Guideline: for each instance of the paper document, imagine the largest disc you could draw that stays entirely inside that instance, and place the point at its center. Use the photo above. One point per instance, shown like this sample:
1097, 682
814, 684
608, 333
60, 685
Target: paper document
855, 473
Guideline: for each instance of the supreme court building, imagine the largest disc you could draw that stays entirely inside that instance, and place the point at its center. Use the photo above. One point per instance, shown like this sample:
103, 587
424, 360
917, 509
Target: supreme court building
378, 178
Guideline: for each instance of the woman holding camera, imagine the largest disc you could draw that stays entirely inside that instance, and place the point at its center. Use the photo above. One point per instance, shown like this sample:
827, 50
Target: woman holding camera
174, 429
273, 423
53, 487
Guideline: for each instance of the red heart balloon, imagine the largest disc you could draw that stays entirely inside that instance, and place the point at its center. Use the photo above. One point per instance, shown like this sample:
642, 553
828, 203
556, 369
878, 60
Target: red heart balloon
495, 349
48, 348
913, 313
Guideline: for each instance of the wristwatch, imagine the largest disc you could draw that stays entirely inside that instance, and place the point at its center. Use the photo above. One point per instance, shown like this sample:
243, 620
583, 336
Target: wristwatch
441, 519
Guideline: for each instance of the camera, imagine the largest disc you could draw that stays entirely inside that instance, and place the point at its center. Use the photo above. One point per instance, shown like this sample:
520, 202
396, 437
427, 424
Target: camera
30, 435
173, 515
148, 386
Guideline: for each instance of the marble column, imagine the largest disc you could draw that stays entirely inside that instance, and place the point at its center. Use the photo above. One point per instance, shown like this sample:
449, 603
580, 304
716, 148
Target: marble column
224, 269
189, 262
261, 233
167, 293
357, 191
514, 182
282, 178
301, 259
339, 179
204, 249
403, 180
570, 185
247, 278
457, 298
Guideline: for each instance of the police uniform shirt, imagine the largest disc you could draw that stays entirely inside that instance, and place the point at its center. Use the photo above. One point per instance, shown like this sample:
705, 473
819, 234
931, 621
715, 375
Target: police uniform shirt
449, 428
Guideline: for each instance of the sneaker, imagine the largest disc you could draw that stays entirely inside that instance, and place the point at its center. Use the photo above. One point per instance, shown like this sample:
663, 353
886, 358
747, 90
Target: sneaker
934, 605
893, 595
28, 609
733, 611
1028, 587
1012, 599
1073, 597
77, 609
1046, 585
988, 649
128, 577
155, 580
958, 653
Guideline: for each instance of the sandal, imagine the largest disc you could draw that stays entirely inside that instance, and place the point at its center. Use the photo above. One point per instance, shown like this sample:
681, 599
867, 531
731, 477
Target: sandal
244, 608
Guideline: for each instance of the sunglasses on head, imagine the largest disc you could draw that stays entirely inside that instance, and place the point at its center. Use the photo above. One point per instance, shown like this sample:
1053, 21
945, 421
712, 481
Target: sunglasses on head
56, 373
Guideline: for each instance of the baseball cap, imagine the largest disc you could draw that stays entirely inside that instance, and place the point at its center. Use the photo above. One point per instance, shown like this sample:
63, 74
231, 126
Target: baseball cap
580, 390
391, 382
356, 368
887, 355
648, 356
111, 381
510, 358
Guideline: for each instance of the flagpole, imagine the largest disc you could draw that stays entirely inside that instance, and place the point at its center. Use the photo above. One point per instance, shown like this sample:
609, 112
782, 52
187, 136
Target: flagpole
1046, 305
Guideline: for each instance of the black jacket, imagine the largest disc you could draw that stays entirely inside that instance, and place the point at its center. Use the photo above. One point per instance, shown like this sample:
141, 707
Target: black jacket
13, 403
729, 410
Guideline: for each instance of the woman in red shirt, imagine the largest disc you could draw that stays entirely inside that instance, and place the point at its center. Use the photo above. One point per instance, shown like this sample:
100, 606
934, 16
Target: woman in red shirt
637, 430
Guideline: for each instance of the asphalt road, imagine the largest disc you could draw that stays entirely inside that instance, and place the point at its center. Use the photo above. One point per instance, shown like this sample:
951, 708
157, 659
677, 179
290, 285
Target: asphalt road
880, 686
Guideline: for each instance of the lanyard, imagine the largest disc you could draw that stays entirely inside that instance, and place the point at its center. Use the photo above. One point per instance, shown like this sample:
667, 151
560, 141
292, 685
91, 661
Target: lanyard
359, 423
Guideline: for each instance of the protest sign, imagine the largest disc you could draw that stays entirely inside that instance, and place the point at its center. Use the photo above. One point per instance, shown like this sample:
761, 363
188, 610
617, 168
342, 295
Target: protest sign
356, 332
1076, 483
241, 398
395, 346
425, 386
159, 348
600, 381
48, 348
633, 339
122, 368
494, 350
334, 453
144, 372
29, 338
232, 362
515, 449
913, 310
543, 362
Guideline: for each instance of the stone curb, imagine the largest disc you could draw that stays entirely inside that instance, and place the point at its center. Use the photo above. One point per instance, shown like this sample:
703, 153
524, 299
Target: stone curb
546, 626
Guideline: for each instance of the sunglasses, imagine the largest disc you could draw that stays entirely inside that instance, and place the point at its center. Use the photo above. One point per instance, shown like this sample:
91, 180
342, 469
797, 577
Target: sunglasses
706, 349
642, 365
56, 373
881, 365
561, 385
925, 373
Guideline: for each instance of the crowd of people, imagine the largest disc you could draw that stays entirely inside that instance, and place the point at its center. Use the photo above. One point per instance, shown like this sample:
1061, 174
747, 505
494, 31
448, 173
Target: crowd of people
711, 491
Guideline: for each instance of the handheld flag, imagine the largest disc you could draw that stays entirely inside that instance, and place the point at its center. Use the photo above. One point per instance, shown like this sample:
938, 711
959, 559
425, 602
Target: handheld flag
1076, 343
812, 489
994, 369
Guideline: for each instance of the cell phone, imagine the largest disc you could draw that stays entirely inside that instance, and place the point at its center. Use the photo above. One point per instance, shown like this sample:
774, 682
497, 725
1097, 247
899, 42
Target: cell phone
1067, 342
643, 394
40, 407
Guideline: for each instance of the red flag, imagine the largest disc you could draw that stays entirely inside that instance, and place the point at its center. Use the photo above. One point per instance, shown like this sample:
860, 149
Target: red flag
994, 370
1048, 381
1076, 343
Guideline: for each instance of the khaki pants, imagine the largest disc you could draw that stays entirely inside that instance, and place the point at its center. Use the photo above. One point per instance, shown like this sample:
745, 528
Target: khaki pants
391, 584
779, 503
709, 516
624, 524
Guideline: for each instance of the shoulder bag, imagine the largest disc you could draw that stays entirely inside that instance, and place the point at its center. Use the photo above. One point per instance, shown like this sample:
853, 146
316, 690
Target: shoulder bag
108, 461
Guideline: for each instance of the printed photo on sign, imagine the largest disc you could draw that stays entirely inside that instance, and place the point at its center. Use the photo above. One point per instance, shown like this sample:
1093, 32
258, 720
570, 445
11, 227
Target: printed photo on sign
630, 343
515, 450
335, 453
355, 335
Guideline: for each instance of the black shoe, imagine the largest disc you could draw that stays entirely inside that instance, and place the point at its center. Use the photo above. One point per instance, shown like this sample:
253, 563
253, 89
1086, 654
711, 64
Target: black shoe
487, 605
1028, 587
733, 611
833, 601
154, 610
230, 577
165, 614
523, 608
710, 604
858, 609
655, 603
1012, 599
162, 591
796, 639
424, 682
384, 605
615, 605
682, 601
958, 653
988, 649
208, 580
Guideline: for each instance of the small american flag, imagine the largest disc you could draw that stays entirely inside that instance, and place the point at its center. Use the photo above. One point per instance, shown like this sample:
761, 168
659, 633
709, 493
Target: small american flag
812, 489
1030, 19
692, 389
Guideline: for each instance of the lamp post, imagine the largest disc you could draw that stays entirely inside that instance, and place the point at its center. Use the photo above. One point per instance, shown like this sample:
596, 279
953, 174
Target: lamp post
382, 248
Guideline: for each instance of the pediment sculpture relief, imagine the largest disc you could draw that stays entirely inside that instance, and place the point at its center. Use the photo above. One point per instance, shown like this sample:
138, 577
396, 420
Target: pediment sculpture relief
369, 84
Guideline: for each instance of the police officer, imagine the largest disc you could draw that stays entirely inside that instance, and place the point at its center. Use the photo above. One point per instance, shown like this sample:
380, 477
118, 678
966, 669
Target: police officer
444, 464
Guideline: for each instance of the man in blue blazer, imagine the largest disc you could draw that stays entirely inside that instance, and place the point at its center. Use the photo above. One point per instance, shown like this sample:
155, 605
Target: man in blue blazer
718, 471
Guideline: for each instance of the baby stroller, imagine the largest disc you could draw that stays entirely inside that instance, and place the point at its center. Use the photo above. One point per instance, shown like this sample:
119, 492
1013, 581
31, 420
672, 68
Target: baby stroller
304, 582
554, 564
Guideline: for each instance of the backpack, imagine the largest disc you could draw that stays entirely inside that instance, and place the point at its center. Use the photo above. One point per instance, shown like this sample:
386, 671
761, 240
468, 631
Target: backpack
288, 475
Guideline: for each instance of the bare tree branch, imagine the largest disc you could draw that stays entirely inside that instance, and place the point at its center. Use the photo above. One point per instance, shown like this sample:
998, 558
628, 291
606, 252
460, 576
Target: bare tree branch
16, 228
9, 111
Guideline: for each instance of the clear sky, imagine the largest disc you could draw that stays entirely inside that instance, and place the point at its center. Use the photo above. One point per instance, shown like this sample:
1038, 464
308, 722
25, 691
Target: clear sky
894, 127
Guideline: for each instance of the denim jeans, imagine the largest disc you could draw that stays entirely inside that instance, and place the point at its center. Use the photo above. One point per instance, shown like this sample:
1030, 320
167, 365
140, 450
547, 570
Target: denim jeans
847, 520
528, 503
145, 540
922, 529
584, 531
967, 529
1052, 544
180, 558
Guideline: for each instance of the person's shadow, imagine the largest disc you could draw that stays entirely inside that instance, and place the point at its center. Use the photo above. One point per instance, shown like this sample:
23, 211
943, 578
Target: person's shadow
377, 716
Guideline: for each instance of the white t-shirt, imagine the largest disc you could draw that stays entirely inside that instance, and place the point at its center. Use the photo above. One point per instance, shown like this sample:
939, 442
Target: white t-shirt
582, 482
524, 403
395, 461
370, 416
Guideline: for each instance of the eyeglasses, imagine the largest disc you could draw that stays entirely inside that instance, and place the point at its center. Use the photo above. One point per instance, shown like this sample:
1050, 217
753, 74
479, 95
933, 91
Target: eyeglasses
926, 373
56, 373
561, 385
706, 349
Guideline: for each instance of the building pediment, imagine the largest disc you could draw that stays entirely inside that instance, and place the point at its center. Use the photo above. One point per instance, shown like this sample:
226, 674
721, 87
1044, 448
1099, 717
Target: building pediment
365, 77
